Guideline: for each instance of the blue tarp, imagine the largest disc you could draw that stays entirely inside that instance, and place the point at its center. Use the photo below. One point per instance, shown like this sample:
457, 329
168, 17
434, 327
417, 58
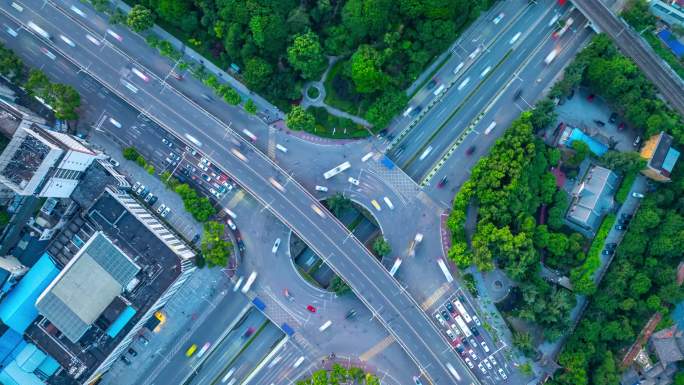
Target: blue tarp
675, 46
121, 321
18, 309
259, 303
287, 329
595, 146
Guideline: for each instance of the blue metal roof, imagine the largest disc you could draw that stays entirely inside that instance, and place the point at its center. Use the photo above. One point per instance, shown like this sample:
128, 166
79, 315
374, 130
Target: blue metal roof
49, 366
670, 159
18, 309
30, 358
121, 321
595, 146
671, 41
12, 374
8, 342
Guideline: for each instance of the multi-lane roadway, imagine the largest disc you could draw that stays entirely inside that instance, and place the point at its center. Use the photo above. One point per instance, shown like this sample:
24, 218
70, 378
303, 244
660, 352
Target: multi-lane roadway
142, 88
476, 79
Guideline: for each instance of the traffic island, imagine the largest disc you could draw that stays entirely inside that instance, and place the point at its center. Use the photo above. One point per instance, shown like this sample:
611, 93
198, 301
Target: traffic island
360, 222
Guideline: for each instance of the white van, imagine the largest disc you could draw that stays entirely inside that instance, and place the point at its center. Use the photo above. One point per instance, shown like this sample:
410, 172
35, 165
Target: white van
389, 203
321, 188
367, 156
281, 148
230, 213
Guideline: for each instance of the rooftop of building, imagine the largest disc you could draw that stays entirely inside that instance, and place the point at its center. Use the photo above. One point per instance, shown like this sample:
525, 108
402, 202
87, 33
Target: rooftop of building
159, 268
593, 196
99, 267
27, 155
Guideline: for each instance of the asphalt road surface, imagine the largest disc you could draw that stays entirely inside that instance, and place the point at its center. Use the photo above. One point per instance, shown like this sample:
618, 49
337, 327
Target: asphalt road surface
293, 205
474, 88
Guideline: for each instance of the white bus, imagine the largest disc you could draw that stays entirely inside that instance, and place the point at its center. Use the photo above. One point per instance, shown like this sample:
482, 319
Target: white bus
395, 267
463, 326
325, 325
250, 281
331, 173
39, 30
250, 135
461, 309
445, 271
490, 128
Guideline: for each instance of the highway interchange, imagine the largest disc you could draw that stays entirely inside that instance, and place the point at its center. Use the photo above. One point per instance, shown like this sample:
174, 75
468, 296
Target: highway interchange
276, 187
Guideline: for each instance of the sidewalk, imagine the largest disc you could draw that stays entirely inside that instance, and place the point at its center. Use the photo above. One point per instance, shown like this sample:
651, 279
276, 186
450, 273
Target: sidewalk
189, 53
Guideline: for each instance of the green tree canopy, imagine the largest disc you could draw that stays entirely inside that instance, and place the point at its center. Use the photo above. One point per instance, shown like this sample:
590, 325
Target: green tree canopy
381, 247
366, 71
215, 248
140, 18
306, 55
300, 120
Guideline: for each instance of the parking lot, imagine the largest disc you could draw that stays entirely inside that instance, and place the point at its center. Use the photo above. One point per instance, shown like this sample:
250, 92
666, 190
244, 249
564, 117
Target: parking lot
457, 318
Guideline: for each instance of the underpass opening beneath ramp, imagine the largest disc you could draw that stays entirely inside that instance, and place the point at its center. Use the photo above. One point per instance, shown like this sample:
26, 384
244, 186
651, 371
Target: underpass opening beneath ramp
361, 222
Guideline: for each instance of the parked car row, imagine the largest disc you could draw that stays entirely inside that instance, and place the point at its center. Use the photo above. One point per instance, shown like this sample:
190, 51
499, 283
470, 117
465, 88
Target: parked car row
462, 328
144, 193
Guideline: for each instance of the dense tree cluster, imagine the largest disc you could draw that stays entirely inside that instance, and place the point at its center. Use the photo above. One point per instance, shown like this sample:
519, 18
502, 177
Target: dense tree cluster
199, 207
642, 278
63, 98
601, 67
508, 187
383, 44
640, 281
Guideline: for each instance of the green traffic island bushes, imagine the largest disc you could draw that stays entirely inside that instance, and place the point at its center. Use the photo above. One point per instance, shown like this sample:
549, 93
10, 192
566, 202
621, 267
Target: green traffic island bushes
318, 121
130, 153
215, 249
338, 374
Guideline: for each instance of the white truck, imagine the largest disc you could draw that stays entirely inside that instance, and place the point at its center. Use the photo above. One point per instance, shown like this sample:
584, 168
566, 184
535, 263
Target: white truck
461, 309
552, 55
466, 330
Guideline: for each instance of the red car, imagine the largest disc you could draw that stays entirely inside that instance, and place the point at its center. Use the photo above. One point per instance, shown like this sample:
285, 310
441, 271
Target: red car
442, 182
590, 98
470, 150
621, 126
311, 308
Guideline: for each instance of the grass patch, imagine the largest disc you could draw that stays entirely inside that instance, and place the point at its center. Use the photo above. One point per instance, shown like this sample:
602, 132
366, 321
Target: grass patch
330, 126
582, 276
625, 186
313, 92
